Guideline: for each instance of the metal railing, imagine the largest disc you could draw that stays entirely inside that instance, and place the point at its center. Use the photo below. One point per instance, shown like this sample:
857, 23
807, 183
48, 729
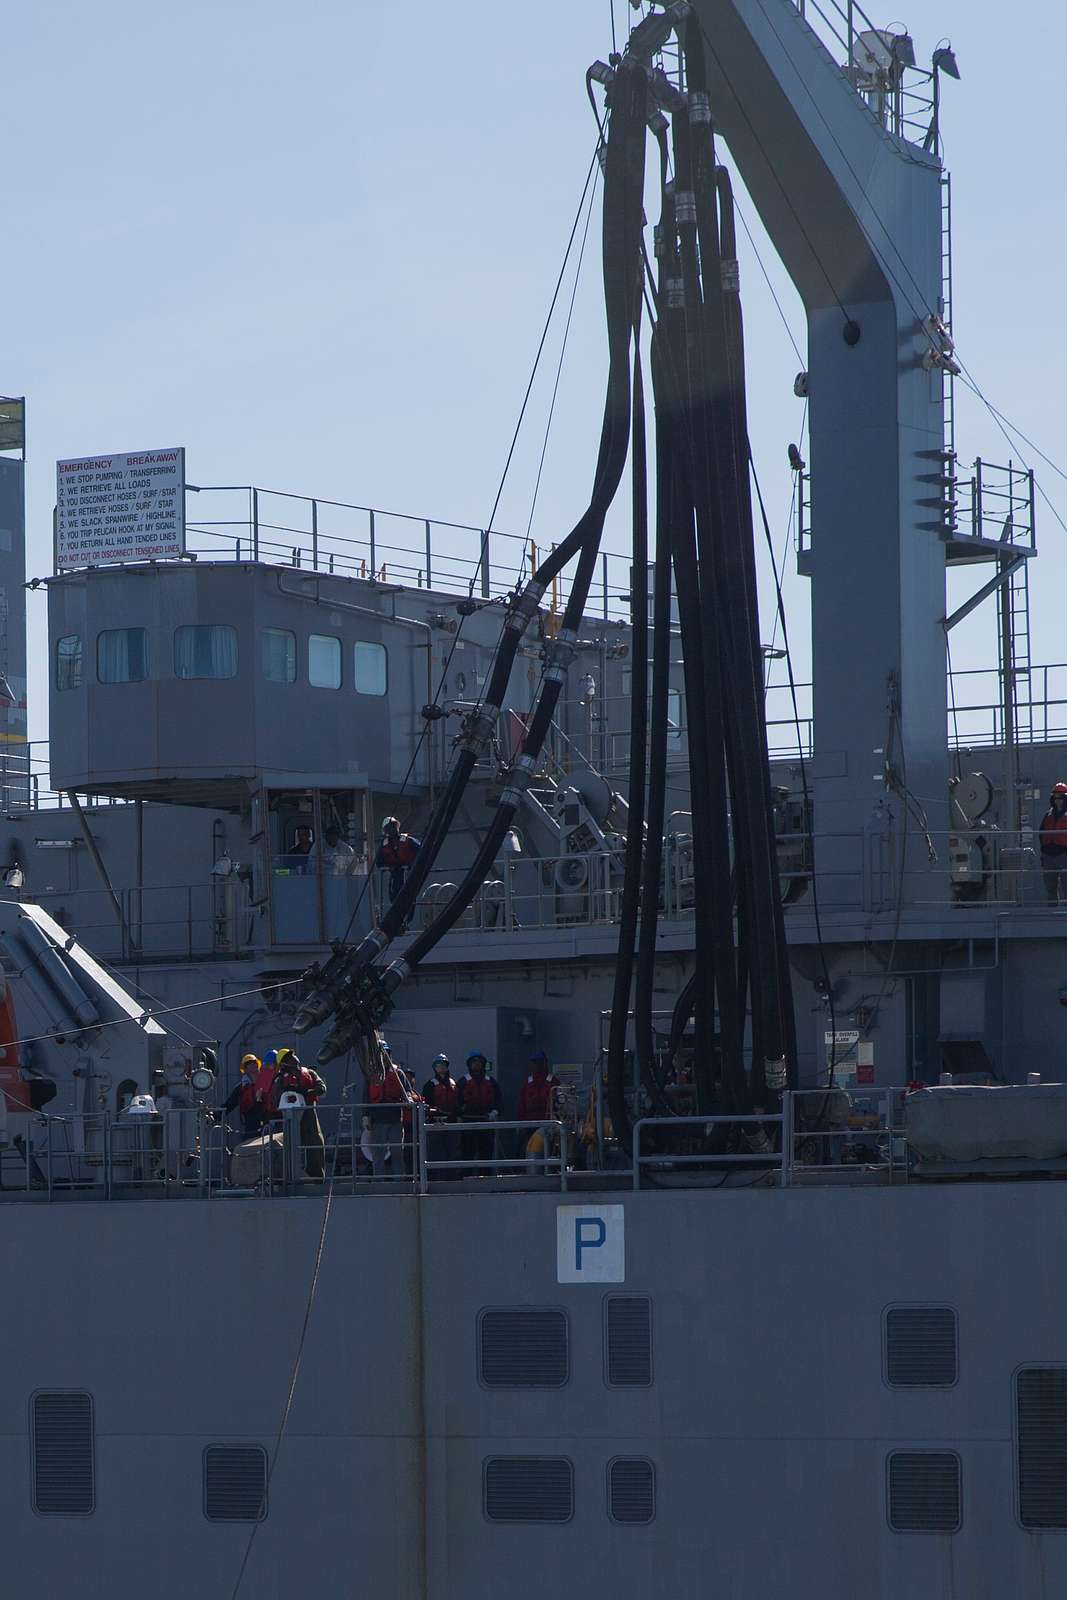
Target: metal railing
901, 95
837, 1133
244, 522
497, 1164
852, 1134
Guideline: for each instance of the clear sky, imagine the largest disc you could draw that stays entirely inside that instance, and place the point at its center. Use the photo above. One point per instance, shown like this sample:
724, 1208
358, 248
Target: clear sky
315, 245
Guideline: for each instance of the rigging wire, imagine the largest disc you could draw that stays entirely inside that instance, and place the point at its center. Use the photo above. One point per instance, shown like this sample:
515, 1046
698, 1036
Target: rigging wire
298, 1358
770, 285
1003, 424
443, 678
165, 1011
559, 373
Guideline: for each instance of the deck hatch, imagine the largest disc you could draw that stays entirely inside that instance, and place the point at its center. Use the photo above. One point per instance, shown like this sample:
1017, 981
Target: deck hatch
921, 1347
529, 1489
523, 1347
235, 1483
1041, 1412
63, 1475
628, 1338
924, 1491
631, 1489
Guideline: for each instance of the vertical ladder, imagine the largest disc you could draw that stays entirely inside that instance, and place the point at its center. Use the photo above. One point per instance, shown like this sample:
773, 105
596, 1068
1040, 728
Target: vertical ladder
1019, 663
948, 382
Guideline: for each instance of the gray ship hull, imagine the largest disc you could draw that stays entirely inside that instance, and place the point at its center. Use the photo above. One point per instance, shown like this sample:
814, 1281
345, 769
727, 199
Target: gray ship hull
768, 1421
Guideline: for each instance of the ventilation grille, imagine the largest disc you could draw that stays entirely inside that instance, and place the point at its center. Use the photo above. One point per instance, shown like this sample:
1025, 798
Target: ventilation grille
629, 1340
529, 1489
920, 1347
1041, 1398
924, 1491
525, 1348
63, 1454
631, 1490
235, 1483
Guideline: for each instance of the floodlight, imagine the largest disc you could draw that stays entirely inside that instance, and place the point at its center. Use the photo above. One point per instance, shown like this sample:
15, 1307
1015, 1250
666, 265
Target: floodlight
945, 61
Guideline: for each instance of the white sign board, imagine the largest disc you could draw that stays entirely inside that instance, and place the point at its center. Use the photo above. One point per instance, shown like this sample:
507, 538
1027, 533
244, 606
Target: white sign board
591, 1244
120, 508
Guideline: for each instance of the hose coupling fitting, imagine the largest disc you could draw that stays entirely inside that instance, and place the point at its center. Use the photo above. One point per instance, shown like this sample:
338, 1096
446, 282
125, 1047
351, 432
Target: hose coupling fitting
521, 776
685, 208
524, 607
775, 1074
699, 106
478, 728
394, 975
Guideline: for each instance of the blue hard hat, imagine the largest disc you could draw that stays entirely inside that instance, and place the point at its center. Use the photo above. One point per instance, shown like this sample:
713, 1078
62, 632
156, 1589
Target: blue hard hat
271, 1058
539, 1055
477, 1055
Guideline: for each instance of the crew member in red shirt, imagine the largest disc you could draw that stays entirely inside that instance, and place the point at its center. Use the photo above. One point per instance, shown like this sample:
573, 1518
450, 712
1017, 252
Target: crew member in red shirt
535, 1101
390, 1119
1053, 838
479, 1101
396, 851
441, 1094
243, 1097
535, 1096
291, 1076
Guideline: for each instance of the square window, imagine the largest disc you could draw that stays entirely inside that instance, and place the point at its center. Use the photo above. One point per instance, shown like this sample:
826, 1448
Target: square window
324, 661
205, 650
279, 655
122, 655
371, 668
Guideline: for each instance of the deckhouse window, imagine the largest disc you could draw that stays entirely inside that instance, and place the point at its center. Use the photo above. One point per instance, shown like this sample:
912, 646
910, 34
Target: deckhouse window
205, 650
371, 674
279, 655
122, 655
69, 662
324, 661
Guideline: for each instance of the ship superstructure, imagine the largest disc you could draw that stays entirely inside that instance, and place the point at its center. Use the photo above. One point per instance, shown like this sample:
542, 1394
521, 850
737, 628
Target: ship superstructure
614, 1361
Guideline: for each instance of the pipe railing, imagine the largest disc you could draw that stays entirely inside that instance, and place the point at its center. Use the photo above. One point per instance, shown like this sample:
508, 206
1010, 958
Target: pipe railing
851, 1133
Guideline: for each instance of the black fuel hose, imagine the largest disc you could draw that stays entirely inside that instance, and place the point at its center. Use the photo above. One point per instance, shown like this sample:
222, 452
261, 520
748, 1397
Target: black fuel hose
624, 176
635, 817
623, 220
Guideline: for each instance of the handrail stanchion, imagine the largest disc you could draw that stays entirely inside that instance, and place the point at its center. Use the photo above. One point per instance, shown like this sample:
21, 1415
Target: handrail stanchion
638, 1125
564, 1156
423, 1174
787, 1139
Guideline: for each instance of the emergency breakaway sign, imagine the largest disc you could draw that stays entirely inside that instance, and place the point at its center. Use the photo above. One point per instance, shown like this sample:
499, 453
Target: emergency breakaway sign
127, 507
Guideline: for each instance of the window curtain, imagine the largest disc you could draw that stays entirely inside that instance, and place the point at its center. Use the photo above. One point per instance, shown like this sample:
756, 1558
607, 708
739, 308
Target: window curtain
122, 655
205, 651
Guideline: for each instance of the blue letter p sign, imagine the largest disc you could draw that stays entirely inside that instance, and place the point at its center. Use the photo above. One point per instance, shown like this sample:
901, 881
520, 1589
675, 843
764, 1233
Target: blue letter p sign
590, 1233
590, 1244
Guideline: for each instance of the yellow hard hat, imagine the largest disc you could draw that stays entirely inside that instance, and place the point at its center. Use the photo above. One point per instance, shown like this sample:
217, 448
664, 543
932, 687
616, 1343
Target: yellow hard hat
284, 1051
245, 1059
